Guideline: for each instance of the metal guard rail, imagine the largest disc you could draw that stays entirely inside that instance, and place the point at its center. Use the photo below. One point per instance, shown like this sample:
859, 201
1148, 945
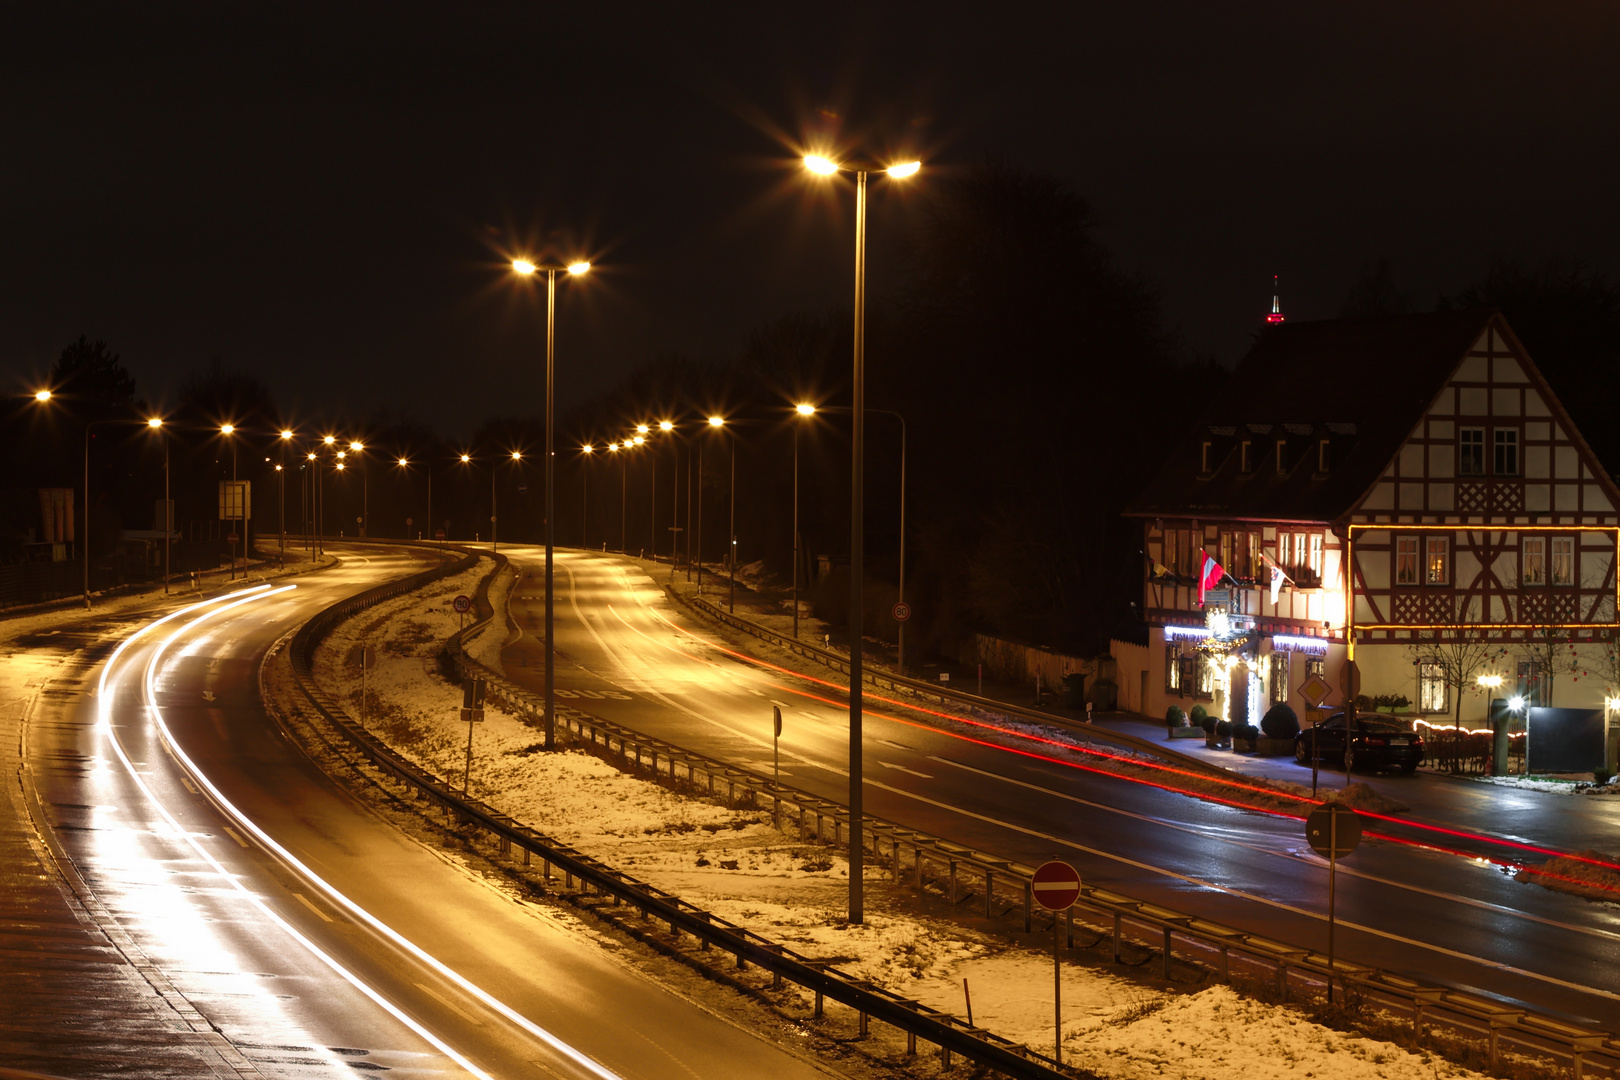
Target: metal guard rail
947, 1032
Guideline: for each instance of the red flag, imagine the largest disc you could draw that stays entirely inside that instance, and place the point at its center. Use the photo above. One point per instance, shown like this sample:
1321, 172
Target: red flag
1211, 575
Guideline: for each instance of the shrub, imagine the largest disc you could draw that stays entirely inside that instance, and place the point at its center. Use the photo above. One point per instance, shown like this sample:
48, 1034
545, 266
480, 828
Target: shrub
1198, 714
1601, 776
1280, 722
1246, 731
1174, 717
1208, 724
1223, 729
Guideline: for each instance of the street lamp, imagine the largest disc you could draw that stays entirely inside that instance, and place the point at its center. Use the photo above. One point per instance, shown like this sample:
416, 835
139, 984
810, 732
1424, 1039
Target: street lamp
405, 464
621, 451
584, 496
281, 472
823, 166
494, 541
156, 424
234, 503
525, 267
355, 448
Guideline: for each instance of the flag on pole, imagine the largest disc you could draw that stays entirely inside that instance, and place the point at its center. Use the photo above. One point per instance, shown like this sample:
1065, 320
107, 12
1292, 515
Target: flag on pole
1159, 569
1211, 575
1277, 576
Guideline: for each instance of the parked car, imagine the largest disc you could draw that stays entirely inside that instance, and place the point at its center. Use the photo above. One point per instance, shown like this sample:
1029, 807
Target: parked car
1375, 743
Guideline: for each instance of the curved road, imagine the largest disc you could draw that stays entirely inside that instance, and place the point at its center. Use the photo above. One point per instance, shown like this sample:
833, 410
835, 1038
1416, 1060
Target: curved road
317, 938
1435, 910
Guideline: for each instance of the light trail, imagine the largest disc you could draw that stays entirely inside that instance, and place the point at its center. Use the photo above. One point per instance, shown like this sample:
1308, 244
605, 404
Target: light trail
228, 603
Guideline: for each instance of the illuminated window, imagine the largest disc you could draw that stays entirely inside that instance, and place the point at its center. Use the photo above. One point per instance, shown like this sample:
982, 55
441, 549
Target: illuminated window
1279, 677
1533, 560
1563, 560
1315, 665
1505, 461
1206, 676
1471, 451
1431, 687
1229, 552
1314, 560
1251, 554
1172, 670
1436, 560
1406, 560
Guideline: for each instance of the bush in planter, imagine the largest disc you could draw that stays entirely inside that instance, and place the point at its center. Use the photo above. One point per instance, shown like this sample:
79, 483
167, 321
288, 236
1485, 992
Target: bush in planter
1174, 717
1246, 732
1280, 723
1223, 729
1199, 714
1206, 722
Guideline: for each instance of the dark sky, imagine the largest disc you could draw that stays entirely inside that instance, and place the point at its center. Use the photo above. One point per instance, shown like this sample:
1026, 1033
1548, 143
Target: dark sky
323, 194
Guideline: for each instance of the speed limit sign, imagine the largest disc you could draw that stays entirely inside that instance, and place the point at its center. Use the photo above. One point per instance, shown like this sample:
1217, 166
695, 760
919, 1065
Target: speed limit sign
901, 611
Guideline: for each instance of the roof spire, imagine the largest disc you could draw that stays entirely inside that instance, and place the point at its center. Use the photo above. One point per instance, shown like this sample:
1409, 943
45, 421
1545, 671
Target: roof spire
1276, 315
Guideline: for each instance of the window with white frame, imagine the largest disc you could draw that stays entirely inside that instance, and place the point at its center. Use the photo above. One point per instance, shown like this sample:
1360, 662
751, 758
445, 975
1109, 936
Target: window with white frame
1431, 687
1172, 669
1437, 560
1533, 560
1505, 456
1206, 676
1563, 560
1314, 559
1406, 560
1279, 676
1471, 451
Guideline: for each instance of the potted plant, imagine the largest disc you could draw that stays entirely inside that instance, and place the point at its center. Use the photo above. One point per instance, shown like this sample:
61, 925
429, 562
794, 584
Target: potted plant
1244, 737
1223, 734
1179, 726
1277, 730
1210, 739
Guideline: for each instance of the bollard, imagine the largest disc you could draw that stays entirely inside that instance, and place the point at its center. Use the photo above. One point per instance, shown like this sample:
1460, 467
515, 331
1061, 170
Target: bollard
1029, 906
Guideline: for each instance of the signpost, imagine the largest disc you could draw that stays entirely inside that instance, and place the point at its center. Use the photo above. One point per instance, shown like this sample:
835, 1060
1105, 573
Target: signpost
368, 659
1314, 690
1056, 886
1333, 830
776, 738
1350, 687
462, 605
901, 611
472, 711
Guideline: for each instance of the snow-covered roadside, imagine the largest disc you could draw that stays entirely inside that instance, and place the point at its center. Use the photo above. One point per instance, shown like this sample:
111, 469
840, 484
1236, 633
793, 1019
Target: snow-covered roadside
733, 863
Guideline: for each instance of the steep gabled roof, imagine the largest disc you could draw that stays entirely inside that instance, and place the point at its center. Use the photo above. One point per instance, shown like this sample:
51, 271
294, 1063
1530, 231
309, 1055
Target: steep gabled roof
1362, 384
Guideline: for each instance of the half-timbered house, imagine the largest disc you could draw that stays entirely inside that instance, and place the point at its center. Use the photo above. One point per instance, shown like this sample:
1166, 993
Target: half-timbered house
1417, 484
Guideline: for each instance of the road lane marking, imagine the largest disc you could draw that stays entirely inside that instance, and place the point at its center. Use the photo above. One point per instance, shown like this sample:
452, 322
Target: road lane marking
902, 768
234, 835
302, 899
189, 785
447, 1003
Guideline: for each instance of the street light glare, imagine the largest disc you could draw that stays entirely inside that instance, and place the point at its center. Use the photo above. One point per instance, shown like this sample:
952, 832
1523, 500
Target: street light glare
516, 455
642, 429
578, 267
155, 422
666, 425
403, 462
639, 439
341, 455
227, 429
524, 266
903, 170
588, 448
312, 455
329, 440
806, 410
1516, 703
466, 458
42, 395
717, 421
286, 433
819, 165
356, 447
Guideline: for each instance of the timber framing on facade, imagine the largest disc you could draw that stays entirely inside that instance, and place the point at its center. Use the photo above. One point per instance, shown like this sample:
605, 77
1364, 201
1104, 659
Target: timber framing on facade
1414, 479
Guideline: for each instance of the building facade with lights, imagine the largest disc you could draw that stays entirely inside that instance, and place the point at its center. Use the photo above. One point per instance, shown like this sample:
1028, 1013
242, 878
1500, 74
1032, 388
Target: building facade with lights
1386, 489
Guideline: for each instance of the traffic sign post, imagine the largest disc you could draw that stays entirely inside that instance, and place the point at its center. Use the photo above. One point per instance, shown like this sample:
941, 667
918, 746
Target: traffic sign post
1350, 687
776, 740
462, 605
901, 611
1314, 690
1333, 830
1056, 886
472, 711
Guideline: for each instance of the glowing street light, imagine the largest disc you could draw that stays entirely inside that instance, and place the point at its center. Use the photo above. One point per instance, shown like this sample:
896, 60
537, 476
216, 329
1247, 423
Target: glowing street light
824, 166
42, 395
525, 268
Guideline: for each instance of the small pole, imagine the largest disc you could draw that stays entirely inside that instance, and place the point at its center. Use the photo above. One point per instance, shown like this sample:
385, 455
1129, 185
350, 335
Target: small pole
1057, 990
1333, 873
467, 773
969, 998
981, 680
362, 684
776, 749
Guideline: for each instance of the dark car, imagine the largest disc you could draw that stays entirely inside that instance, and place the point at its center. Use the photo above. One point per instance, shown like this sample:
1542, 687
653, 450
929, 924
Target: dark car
1376, 743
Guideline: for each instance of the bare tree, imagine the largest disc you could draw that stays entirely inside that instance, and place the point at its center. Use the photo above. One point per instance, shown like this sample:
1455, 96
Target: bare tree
1459, 659
1550, 652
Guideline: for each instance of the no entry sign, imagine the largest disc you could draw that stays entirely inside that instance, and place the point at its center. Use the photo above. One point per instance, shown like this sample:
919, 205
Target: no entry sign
1056, 885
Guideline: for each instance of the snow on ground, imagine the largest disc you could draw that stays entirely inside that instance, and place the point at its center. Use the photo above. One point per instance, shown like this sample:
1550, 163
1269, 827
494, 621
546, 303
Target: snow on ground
734, 864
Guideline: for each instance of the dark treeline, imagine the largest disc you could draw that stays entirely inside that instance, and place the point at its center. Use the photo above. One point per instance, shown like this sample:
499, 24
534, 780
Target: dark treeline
1039, 386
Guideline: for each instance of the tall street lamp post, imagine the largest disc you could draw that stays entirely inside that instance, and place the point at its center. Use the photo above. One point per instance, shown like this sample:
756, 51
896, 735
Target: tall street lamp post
621, 451
823, 166
281, 474
585, 496
803, 410
356, 448
494, 543
668, 427
524, 267
156, 424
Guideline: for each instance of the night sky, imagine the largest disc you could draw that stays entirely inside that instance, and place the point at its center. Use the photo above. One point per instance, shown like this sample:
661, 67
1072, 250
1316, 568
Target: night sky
324, 194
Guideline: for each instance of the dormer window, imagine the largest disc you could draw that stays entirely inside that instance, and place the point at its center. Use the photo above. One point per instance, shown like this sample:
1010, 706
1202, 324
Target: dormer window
1204, 457
1322, 456
1281, 469
1246, 456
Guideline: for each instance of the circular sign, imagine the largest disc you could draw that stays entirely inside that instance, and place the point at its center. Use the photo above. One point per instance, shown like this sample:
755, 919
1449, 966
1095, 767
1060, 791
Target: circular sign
1333, 830
233, 538
1056, 885
901, 611
407, 522
462, 604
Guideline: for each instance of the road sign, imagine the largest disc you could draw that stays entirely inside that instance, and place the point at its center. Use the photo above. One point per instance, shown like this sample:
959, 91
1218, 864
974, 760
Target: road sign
1315, 689
1330, 838
1349, 681
462, 604
472, 716
368, 656
472, 694
232, 539
776, 719
944, 676
408, 523
901, 611
1056, 885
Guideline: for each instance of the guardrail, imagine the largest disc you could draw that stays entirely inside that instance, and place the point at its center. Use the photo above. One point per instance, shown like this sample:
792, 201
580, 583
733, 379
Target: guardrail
952, 1036
920, 858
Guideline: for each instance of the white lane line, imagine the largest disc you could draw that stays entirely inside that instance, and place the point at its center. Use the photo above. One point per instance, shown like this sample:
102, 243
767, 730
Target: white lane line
1494, 965
902, 768
1295, 856
447, 1003
302, 899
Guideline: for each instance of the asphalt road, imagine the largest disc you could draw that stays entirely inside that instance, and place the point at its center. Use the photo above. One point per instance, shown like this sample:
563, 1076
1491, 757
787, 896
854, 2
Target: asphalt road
315, 937
1435, 909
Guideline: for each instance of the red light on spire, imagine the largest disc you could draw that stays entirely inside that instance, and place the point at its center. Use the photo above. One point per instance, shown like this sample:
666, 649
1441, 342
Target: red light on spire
1276, 315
